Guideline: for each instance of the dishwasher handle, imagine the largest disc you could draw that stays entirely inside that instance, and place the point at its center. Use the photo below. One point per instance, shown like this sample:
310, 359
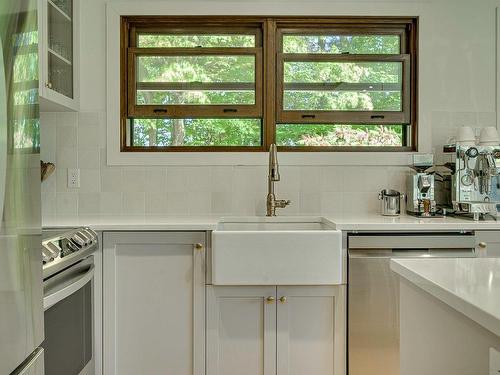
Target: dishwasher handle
412, 253
409, 241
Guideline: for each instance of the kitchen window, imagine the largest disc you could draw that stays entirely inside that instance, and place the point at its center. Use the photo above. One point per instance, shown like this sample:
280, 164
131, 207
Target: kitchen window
242, 83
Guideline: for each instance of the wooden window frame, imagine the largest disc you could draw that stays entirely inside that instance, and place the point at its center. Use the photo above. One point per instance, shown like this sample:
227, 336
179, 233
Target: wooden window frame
133, 26
269, 63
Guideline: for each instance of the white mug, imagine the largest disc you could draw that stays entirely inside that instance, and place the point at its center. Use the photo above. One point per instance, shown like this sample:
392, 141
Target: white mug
489, 137
465, 134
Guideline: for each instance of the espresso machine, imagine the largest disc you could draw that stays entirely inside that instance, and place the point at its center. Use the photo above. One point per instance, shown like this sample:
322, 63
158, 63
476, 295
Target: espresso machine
420, 187
475, 183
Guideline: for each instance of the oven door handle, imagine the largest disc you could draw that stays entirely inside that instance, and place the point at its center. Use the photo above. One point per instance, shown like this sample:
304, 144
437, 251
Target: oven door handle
60, 294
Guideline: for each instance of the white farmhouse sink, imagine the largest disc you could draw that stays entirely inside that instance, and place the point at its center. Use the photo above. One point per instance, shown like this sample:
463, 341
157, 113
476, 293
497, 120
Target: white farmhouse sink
276, 251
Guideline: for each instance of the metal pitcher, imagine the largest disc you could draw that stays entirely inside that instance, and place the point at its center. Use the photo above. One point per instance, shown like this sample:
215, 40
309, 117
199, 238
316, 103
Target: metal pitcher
390, 202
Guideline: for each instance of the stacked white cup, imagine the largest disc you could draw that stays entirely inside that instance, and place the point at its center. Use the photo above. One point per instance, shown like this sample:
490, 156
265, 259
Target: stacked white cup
466, 136
489, 137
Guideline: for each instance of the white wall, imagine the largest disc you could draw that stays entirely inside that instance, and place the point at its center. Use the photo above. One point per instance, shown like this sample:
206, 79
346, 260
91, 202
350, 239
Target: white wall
457, 87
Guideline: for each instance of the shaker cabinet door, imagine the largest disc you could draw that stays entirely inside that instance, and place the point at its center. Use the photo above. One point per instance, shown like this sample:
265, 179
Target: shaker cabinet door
311, 330
241, 330
154, 303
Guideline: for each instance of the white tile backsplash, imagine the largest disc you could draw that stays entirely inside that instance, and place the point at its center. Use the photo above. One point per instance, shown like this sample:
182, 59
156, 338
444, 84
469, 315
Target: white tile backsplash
67, 203
331, 202
199, 202
222, 179
156, 203
111, 179
67, 119
134, 203
89, 203
310, 179
66, 157
156, 180
110, 203
88, 137
76, 141
222, 203
89, 158
90, 181
177, 179
133, 180
177, 203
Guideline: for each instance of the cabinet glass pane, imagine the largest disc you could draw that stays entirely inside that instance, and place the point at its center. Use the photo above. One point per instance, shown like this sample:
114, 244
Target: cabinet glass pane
60, 46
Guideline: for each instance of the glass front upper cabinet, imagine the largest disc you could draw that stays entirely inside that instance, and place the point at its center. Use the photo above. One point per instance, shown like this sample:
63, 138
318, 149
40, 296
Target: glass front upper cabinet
58, 27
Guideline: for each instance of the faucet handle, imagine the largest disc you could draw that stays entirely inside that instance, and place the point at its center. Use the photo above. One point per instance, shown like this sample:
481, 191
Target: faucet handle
282, 203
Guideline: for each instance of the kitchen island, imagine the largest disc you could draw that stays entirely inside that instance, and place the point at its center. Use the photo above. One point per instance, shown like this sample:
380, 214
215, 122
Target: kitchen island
450, 315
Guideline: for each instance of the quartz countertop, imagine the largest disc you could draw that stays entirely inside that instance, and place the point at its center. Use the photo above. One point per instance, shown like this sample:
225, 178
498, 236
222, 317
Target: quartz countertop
376, 222
469, 285
128, 223
360, 222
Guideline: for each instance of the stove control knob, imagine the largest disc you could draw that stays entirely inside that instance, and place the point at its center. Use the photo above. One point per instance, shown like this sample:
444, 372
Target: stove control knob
46, 256
91, 235
88, 236
79, 240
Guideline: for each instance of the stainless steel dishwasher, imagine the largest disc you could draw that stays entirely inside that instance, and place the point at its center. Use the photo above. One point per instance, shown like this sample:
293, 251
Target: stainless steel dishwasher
373, 292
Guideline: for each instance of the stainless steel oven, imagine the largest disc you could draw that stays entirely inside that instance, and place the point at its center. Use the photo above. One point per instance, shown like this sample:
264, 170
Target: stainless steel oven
373, 292
68, 303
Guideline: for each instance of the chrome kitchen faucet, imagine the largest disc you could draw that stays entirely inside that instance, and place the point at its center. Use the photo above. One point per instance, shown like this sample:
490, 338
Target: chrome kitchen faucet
274, 175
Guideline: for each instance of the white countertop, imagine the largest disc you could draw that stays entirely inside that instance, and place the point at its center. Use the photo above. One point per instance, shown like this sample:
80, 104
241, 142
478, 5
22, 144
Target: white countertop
375, 222
469, 285
361, 222
127, 223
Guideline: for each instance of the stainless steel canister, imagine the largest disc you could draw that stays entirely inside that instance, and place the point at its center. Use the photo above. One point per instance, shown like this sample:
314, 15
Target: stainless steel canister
390, 202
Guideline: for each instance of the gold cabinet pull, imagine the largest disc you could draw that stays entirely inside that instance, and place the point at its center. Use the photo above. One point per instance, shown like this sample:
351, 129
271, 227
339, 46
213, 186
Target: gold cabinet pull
198, 246
482, 245
283, 299
270, 299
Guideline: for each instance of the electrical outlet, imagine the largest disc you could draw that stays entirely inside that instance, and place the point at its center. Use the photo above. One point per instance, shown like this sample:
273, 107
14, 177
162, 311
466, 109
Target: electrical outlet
494, 361
73, 178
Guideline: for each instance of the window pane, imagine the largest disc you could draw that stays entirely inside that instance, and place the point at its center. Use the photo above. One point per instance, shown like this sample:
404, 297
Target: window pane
337, 44
196, 132
179, 97
196, 68
343, 72
342, 100
350, 86
321, 135
194, 41
196, 80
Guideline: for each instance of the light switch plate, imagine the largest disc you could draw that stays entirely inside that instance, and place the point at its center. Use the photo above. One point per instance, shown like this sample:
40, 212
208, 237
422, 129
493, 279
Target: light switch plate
73, 178
494, 361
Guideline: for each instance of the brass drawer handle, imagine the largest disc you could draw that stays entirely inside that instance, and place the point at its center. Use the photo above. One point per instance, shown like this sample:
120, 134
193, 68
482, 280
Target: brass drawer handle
283, 299
482, 245
198, 247
270, 299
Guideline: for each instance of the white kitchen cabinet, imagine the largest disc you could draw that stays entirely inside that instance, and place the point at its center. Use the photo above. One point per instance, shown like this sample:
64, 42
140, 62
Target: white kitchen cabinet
488, 243
241, 330
58, 50
284, 330
154, 309
311, 330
